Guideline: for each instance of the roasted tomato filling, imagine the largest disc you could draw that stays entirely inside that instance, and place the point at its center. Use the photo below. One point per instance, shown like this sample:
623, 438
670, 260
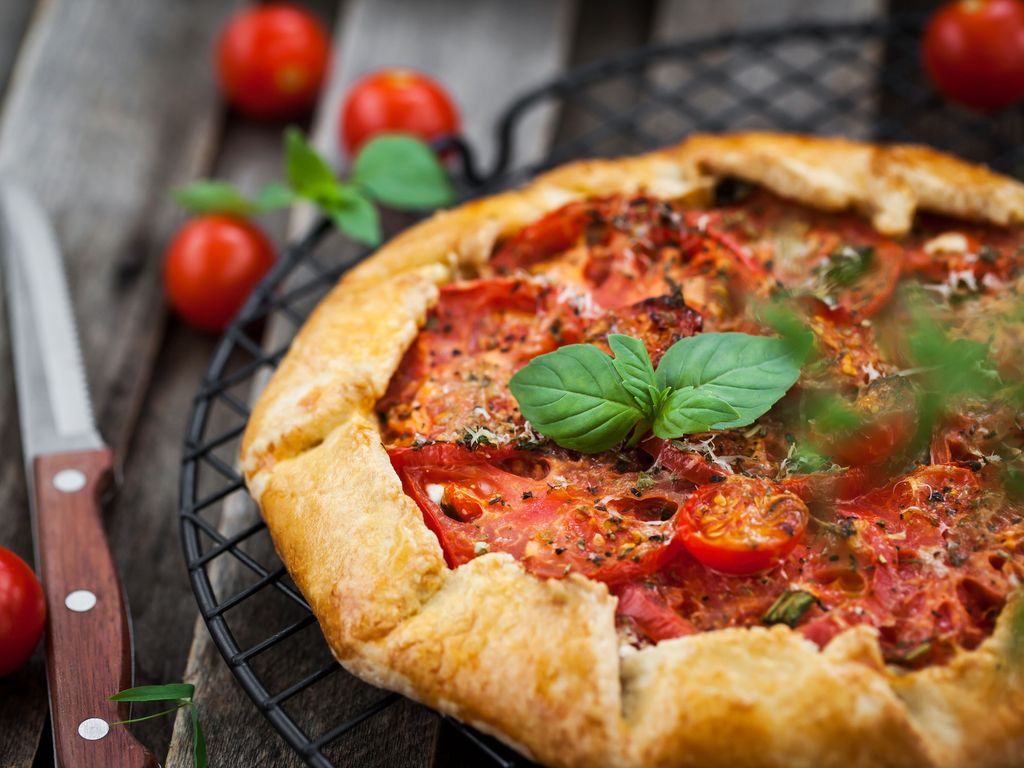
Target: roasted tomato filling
846, 504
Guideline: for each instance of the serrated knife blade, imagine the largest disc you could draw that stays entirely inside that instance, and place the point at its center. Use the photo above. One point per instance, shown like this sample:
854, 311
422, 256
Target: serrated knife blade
53, 398
88, 645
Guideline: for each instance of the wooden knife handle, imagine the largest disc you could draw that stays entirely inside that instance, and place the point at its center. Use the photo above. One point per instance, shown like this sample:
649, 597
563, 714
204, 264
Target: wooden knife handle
88, 650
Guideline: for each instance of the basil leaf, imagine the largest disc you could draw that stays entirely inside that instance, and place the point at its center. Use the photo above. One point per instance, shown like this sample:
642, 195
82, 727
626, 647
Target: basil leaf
751, 373
274, 196
356, 216
198, 741
690, 410
789, 608
308, 173
574, 396
169, 692
209, 196
634, 366
402, 172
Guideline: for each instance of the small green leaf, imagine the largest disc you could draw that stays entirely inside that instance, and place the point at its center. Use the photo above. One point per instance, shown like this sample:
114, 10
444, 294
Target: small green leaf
832, 414
918, 651
846, 265
690, 410
750, 373
308, 173
575, 396
209, 196
634, 366
198, 741
274, 196
402, 172
154, 715
789, 608
169, 692
357, 217
790, 326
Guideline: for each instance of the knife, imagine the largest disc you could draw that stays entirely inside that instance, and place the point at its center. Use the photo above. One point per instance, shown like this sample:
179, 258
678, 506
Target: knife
88, 645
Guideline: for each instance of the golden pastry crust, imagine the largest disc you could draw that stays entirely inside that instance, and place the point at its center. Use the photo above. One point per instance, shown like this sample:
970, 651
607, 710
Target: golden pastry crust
537, 662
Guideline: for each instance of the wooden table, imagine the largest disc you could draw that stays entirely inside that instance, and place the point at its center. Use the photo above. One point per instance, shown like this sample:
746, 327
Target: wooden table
109, 103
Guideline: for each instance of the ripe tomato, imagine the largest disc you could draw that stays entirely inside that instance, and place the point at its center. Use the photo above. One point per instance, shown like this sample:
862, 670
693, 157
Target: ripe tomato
22, 611
271, 60
741, 525
212, 265
974, 52
396, 101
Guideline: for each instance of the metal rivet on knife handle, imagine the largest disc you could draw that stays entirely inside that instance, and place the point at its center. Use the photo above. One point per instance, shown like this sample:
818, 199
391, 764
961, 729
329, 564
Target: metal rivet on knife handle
69, 481
80, 601
93, 729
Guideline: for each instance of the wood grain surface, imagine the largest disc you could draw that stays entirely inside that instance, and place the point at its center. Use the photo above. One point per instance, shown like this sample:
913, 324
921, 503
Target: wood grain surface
99, 119
111, 103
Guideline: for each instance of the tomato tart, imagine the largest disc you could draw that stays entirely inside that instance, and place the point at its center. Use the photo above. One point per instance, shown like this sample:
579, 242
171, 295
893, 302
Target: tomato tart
707, 457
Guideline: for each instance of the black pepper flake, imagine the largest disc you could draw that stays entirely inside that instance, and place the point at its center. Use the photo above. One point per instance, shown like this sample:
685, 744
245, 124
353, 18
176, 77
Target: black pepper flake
527, 495
936, 496
636, 492
559, 550
716, 479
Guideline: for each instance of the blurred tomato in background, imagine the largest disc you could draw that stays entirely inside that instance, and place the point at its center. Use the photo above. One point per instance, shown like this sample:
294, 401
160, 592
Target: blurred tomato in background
272, 60
396, 101
22, 611
974, 52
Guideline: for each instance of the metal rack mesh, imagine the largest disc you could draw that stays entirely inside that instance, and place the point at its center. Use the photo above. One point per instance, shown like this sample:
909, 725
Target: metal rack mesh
862, 81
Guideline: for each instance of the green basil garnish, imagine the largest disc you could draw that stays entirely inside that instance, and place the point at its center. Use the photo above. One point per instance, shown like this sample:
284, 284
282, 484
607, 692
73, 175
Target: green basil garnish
585, 400
789, 608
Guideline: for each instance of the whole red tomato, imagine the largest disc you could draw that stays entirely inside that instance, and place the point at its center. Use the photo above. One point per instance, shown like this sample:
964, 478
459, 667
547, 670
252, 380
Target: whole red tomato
271, 60
22, 611
211, 267
974, 52
396, 101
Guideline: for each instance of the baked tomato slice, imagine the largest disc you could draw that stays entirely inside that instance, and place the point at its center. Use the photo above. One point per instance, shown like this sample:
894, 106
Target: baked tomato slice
741, 525
649, 613
537, 509
876, 426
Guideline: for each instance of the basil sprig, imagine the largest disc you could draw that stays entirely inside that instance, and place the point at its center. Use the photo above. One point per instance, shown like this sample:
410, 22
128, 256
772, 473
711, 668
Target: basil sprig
588, 401
395, 170
180, 695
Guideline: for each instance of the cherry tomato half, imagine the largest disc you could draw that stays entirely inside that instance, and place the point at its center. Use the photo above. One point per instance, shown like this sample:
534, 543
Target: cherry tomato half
22, 611
212, 265
974, 52
396, 101
272, 59
741, 525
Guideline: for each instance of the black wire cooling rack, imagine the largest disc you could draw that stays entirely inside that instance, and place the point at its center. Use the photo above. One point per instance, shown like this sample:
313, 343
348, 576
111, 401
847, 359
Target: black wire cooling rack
860, 80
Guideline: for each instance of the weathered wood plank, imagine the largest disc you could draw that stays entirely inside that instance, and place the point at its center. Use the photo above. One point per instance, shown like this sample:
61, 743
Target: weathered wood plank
687, 19
369, 35
15, 16
100, 118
